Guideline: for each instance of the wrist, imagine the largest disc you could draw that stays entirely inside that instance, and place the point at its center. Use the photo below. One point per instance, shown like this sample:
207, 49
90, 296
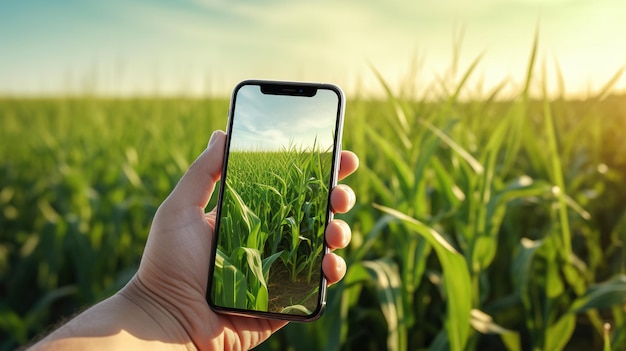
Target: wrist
159, 322
127, 320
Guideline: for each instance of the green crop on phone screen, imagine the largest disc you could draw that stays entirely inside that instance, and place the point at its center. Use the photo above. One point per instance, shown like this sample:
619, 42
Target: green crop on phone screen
275, 206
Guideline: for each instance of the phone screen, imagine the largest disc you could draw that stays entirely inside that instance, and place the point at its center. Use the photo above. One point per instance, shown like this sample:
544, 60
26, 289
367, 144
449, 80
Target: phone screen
283, 145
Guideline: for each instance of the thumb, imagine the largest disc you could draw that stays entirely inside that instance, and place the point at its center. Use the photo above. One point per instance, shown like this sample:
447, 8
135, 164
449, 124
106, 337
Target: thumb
197, 184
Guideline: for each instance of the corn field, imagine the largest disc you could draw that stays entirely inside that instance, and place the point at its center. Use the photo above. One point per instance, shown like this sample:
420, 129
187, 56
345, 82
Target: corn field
487, 222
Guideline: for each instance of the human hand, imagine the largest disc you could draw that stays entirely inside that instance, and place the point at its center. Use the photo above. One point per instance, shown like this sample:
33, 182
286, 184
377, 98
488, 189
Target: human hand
172, 279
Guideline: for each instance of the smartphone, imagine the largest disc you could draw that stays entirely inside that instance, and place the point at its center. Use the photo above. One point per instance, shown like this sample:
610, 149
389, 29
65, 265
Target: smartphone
281, 161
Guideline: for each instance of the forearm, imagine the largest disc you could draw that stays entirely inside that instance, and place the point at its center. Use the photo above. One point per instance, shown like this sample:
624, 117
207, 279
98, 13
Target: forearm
122, 322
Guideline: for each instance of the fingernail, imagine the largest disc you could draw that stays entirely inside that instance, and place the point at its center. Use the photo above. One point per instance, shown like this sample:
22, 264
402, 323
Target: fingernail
351, 198
347, 234
341, 267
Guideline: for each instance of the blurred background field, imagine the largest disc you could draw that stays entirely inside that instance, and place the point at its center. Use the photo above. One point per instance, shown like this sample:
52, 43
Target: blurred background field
481, 223
491, 209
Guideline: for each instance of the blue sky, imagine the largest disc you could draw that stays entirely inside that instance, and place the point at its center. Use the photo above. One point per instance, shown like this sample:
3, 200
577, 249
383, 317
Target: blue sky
279, 122
204, 47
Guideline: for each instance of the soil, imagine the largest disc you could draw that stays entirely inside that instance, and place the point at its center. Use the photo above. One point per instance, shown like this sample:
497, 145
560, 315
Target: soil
284, 292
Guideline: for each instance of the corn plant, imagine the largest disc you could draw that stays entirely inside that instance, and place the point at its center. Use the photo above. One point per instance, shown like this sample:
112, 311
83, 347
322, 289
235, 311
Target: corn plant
274, 204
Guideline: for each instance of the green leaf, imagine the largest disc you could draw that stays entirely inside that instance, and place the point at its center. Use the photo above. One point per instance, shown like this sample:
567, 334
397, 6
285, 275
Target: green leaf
13, 325
261, 300
484, 323
554, 283
603, 295
389, 290
476, 166
521, 271
253, 258
559, 333
235, 287
606, 337
296, 310
268, 262
456, 279
403, 172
